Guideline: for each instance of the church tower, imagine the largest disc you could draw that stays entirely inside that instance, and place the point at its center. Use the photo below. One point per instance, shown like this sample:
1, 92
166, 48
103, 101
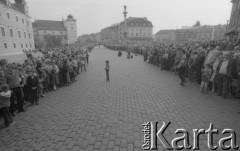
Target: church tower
71, 26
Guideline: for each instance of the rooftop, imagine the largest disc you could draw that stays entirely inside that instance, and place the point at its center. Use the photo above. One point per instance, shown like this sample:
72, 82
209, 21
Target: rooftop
49, 25
14, 7
139, 21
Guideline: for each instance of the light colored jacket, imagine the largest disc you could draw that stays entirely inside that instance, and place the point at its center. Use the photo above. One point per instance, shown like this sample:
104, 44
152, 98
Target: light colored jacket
5, 99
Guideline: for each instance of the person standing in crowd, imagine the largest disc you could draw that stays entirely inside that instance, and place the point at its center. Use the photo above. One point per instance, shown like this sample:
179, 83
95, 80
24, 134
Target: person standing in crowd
23, 79
78, 63
3, 79
198, 65
83, 64
107, 68
224, 75
13, 80
54, 75
145, 54
216, 63
176, 61
190, 67
87, 57
5, 95
237, 95
206, 75
66, 72
32, 84
182, 67
73, 64
42, 76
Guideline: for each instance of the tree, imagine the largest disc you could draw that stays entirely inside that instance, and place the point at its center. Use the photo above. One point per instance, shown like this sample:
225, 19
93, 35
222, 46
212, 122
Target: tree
197, 24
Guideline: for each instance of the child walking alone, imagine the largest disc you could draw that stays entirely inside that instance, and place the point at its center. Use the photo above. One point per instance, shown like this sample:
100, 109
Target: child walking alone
107, 69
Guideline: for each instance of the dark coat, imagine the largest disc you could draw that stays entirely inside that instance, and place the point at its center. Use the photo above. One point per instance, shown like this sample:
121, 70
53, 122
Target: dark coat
32, 82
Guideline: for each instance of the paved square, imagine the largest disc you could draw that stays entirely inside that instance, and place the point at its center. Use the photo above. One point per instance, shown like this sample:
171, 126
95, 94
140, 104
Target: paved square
93, 114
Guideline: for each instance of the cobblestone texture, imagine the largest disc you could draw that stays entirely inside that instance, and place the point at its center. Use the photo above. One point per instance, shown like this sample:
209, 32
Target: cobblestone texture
93, 114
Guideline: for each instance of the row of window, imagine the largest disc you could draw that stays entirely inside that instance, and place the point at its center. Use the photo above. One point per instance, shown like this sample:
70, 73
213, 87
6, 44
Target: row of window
11, 33
194, 35
132, 29
141, 24
15, 45
16, 18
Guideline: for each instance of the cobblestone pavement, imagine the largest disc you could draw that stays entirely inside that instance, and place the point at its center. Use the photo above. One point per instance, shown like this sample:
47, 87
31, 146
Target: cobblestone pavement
93, 114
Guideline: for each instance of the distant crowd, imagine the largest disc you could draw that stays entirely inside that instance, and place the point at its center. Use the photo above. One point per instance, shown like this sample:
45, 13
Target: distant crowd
215, 65
44, 70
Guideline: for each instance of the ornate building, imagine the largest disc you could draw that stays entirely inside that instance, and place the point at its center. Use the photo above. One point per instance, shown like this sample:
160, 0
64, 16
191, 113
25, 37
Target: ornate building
137, 29
16, 32
66, 30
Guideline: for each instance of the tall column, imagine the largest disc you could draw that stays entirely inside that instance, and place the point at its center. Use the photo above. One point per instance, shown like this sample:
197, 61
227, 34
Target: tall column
125, 24
238, 12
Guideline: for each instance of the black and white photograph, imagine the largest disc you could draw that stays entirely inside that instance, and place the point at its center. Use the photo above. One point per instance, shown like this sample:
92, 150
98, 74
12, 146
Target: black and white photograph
119, 75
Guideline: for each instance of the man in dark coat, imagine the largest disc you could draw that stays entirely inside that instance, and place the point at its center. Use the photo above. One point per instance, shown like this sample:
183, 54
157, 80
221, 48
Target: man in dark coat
198, 65
32, 85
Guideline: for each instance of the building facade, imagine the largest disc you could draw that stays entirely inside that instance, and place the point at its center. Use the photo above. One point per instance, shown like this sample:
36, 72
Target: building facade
65, 30
136, 29
186, 34
166, 36
16, 33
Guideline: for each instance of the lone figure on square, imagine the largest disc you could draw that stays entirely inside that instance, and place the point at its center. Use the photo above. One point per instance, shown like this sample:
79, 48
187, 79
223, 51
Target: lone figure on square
107, 69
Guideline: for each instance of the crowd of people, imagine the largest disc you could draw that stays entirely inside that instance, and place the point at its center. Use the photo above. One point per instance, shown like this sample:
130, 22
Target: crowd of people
214, 65
43, 71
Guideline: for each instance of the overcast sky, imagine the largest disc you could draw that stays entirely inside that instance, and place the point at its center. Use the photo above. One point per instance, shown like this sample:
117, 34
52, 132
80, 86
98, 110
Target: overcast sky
93, 15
